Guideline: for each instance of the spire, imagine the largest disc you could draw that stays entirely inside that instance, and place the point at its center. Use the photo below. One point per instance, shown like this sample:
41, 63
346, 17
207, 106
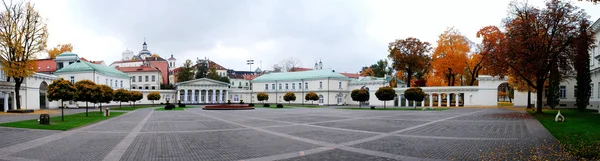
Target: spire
145, 46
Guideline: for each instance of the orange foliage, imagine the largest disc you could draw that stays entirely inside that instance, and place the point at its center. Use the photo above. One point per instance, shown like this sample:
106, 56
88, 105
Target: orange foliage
450, 57
367, 72
59, 49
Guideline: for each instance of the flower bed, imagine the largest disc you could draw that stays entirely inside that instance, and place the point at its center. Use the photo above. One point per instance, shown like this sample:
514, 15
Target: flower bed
228, 107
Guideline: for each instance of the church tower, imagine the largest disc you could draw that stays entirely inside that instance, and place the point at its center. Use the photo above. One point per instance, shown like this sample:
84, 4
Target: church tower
172, 62
127, 55
320, 65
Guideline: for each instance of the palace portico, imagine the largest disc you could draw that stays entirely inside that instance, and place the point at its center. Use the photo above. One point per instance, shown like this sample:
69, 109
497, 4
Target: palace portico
202, 91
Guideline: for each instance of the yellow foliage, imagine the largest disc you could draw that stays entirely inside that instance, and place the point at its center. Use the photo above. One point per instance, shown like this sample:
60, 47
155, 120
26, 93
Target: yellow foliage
59, 49
450, 56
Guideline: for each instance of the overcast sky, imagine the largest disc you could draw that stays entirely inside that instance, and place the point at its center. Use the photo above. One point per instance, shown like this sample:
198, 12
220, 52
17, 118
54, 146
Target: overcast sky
344, 34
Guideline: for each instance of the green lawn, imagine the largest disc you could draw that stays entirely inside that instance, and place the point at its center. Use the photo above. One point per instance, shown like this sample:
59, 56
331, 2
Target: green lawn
394, 108
175, 109
131, 108
71, 121
580, 133
305, 106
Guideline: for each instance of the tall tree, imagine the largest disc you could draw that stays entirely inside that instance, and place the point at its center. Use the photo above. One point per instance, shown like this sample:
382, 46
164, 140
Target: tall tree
449, 57
492, 39
62, 90
582, 45
186, 72
202, 69
23, 33
291, 64
59, 49
212, 74
86, 90
367, 71
409, 56
379, 69
538, 38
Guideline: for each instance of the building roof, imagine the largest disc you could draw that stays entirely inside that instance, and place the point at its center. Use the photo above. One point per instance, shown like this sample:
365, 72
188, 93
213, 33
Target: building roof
306, 75
126, 61
45, 65
151, 58
217, 66
299, 69
351, 75
250, 77
172, 58
83, 66
95, 62
142, 68
68, 53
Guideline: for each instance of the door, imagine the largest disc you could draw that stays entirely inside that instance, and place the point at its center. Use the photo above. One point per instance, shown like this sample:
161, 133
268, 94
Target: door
43, 101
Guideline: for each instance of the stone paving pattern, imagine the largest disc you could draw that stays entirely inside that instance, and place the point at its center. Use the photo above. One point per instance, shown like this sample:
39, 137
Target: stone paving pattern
281, 134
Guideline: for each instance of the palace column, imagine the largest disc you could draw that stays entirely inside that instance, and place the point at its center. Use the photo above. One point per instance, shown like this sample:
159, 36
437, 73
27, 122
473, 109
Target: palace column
178, 96
221, 95
431, 100
406, 100
439, 100
227, 94
6, 94
447, 100
185, 94
457, 94
206, 96
213, 96
193, 96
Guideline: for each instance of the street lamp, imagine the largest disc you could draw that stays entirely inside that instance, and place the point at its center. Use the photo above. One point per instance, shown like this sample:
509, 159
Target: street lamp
250, 62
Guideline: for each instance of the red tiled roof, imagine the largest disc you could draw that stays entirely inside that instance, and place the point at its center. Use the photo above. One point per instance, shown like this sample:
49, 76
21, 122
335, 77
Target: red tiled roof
299, 69
250, 77
45, 65
138, 69
351, 75
95, 62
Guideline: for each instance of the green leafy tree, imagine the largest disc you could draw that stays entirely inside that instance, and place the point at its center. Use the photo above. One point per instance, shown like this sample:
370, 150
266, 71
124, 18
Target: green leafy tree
414, 94
379, 69
289, 96
121, 95
153, 96
186, 72
135, 96
582, 45
409, 56
86, 89
311, 96
212, 74
385, 94
262, 96
62, 90
105, 95
202, 70
360, 95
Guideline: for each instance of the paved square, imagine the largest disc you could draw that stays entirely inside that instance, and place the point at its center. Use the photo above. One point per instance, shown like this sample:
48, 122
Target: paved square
283, 134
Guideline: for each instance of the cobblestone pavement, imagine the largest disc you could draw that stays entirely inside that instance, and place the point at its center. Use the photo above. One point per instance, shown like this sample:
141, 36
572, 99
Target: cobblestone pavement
282, 134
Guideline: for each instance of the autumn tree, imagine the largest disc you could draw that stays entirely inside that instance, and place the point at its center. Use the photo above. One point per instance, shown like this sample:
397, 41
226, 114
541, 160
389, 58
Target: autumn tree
135, 96
360, 95
385, 94
86, 90
23, 33
186, 72
289, 96
415, 94
379, 69
450, 55
582, 44
153, 96
409, 56
62, 90
105, 95
262, 96
311, 96
121, 95
536, 39
59, 49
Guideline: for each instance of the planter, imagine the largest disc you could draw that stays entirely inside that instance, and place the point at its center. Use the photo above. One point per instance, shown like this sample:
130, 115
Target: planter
20, 111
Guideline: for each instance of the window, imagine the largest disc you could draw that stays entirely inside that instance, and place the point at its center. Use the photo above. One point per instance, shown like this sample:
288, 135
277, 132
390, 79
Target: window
306, 85
121, 84
232, 83
340, 85
266, 86
60, 65
140, 78
563, 92
320, 85
146, 78
140, 87
132, 78
236, 98
73, 79
146, 87
106, 81
286, 86
299, 85
70, 62
279, 85
239, 84
272, 86
153, 87
246, 84
111, 83
153, 78
321, 100
293, 85
575, 92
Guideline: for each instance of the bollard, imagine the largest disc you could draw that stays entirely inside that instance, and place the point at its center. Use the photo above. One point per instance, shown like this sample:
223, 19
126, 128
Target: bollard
107, 112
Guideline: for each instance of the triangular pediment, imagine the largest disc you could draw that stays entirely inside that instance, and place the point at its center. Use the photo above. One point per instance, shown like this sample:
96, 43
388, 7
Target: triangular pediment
203, 82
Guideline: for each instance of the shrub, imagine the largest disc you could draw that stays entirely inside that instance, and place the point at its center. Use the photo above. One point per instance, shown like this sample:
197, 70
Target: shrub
241, 101
161, 103
279, 106
181, 105
251, 105
169, 106
266, 105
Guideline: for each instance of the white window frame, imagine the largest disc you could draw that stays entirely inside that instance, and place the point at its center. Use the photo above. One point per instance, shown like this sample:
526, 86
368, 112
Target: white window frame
563, 92
266, 86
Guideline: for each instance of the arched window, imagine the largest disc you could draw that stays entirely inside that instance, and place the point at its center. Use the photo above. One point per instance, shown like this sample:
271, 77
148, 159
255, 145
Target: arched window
321, 99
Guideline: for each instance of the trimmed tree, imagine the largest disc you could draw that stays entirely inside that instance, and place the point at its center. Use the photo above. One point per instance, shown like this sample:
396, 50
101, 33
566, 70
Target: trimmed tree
135, 96
415, 94
121, 95
385, 94
62, 90
262, 96
289, 96
311, 96
86, 90
360, 95
153, 96
105, 95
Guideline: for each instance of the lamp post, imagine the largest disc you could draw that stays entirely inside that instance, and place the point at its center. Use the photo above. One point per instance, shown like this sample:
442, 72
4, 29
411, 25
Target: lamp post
250, 62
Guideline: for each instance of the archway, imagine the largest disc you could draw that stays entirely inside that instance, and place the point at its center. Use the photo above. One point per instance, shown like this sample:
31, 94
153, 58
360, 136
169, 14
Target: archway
339, 98
321, 100
505, 94
43, 91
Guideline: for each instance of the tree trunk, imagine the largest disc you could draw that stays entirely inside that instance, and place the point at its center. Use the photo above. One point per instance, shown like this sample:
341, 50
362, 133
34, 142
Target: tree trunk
384, 104
408, 77
18, 82
100, 107
528, 99
152, 102
539, 92
120, 104
86, 109
359, 104
62, 110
